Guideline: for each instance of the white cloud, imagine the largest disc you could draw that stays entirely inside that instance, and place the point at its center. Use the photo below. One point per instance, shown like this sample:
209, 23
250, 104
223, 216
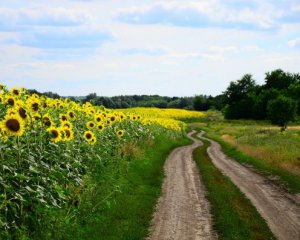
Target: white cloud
294, 43
17, 19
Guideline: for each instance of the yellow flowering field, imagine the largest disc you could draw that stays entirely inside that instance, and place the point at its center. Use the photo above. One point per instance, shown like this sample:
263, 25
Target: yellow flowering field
49, 147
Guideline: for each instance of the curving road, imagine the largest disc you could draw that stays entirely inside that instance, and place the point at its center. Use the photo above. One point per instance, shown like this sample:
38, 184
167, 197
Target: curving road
280, 209
183, 213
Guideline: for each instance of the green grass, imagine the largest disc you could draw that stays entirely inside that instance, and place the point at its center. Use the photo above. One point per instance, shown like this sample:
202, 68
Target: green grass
130, 214
264, 145
234, 216
125, 214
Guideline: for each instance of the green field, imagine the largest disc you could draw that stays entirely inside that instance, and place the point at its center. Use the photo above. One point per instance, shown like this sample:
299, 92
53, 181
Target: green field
262, 145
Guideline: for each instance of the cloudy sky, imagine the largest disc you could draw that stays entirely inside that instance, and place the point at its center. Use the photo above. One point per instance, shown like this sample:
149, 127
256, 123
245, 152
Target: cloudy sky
172, 48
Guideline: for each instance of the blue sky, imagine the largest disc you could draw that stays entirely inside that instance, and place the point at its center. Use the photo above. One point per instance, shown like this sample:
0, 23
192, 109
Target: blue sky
172, 48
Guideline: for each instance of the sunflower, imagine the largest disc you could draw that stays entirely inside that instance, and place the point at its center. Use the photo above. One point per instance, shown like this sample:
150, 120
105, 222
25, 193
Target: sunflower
10, 100
120, 133
112, 118
90, 125
98, 118
15, 92
67, 124
93, 141
108, 122
34, 105
100, 127
88, 135
71, 115
14, 125
55, 134
122, 117
46, 120
68, 134
22, 112
63, 117
133, 118
1, 87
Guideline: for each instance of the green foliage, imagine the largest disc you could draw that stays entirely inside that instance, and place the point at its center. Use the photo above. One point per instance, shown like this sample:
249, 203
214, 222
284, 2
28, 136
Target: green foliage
246, 100
282, 110
119, 194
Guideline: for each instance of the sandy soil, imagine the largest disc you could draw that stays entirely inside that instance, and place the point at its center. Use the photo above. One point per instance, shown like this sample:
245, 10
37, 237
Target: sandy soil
279, 208
182, 213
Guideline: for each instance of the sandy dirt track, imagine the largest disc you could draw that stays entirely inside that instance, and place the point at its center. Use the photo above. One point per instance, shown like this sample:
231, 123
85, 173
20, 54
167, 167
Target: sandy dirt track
182, 213
280, 209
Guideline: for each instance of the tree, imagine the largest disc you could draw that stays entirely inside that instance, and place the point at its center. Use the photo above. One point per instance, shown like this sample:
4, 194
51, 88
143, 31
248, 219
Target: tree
200, 103
239, 98
281, 110
279, 79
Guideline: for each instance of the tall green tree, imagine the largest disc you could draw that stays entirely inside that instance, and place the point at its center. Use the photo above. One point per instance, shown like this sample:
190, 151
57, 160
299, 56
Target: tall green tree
239, 99
282, 110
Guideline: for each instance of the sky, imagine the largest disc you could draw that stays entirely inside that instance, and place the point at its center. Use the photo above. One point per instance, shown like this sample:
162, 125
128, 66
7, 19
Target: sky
124, 47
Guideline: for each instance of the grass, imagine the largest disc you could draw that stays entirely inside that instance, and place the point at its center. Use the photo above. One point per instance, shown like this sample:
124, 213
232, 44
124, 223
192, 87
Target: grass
127, 212
262, 146
234, 216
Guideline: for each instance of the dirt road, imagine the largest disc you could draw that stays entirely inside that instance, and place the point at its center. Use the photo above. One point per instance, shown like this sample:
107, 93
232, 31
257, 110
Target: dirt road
280, 209
183, 213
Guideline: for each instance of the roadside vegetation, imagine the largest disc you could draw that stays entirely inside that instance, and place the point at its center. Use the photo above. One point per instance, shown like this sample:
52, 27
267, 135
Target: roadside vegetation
63, 164
261, 145
234, 216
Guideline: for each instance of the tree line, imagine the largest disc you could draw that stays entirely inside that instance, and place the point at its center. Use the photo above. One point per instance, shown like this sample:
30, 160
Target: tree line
278, 99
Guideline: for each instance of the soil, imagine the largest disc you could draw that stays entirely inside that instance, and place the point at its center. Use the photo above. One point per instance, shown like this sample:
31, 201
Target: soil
182, 212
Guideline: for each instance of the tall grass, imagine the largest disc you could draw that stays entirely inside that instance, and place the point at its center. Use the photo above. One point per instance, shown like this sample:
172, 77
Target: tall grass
262, 145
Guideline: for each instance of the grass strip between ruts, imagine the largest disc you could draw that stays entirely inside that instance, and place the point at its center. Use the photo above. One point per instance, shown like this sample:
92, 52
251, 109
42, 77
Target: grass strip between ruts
234, 216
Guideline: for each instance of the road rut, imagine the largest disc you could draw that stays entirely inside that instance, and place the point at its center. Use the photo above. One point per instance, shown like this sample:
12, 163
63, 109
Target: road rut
182, 212
280, 209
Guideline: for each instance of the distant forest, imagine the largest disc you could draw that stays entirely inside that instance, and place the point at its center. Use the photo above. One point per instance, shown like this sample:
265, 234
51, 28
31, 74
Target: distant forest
277, 98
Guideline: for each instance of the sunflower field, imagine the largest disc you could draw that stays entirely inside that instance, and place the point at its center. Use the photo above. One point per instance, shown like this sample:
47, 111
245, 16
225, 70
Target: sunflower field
51, 148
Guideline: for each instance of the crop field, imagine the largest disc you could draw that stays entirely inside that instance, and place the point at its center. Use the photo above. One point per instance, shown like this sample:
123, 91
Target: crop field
51, 149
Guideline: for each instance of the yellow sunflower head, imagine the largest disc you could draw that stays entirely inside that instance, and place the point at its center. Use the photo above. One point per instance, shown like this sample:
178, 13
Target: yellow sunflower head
68, 134
88, 135
71, 115
112, 118
10, 100
90, 125
22, 112
13, 125
67, 124
63, 117
15, 92
55, 134
34, 105
98, 118
46, 120
93, 141
100, 127
120, 133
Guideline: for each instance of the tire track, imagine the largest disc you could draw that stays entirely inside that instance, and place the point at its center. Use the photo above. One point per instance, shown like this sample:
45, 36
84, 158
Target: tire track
280, 209
182, 212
